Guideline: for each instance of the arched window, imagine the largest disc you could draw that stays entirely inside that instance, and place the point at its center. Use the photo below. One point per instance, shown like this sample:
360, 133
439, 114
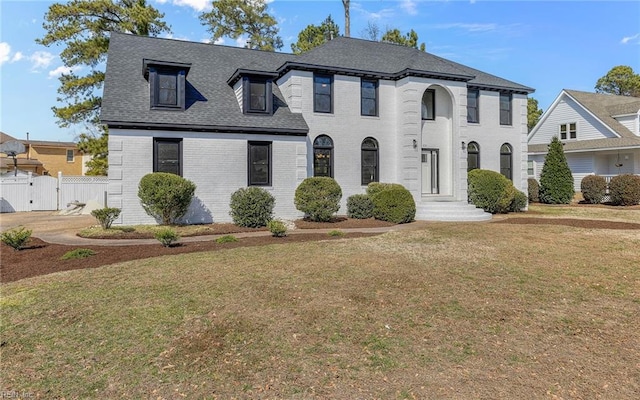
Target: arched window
429, 104
323, 156
506, 160
369, 161
473, 156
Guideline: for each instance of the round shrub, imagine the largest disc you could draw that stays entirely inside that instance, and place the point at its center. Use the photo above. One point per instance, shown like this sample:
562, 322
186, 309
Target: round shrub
318, 198
490, 190
534, 190
359, 206
165, 197
519, 202
394, 205
593, 188
251, 207
376, 187
625, 190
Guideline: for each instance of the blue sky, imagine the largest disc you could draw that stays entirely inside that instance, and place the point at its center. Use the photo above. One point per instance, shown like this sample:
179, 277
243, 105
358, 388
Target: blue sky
545, 45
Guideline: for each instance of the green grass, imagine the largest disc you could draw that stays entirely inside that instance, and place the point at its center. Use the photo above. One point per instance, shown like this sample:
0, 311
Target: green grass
77, 253
451, 311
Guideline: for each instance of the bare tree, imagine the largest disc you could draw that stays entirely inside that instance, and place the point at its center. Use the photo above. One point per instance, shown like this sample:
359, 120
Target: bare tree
371, 32
347, 19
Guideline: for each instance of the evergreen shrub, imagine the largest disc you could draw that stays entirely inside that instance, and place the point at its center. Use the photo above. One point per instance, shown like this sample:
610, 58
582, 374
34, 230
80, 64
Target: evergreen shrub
519, 202
251, 207
556, 180
318, 198
625, 190
166, 197
16, 238
106, 216
593, 188
533, 188
490, 190
394, 205
359, 206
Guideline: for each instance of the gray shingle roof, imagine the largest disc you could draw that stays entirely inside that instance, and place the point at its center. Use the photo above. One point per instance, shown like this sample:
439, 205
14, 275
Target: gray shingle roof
212, 103
604, 107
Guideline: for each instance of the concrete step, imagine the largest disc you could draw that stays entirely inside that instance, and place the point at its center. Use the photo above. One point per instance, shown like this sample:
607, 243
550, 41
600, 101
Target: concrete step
449, 211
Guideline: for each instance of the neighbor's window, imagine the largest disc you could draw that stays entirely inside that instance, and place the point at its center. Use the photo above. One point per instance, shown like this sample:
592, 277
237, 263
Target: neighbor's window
568, 130
505, 108
473, 115
473, 156
429, 105
259, 163
531, 171
167, 155
69, 155
369, 159
322, 93
506, 160
369, 97
323, 156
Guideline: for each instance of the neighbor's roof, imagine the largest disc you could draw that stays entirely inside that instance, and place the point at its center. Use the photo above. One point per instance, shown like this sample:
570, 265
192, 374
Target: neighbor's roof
48, 143
211, 101
603, 107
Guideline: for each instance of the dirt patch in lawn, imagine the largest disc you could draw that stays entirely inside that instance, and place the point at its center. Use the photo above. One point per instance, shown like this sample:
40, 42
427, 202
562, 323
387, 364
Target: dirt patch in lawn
576, 223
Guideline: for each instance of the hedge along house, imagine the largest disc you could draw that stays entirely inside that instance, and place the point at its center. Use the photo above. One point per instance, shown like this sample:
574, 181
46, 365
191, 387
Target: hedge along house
358, 111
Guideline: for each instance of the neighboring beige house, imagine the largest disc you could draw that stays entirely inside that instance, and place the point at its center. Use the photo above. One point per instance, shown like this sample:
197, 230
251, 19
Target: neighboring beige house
45, 157
600, 133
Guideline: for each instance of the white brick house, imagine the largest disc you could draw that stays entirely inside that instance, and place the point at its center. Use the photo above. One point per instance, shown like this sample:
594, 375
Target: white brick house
356, 110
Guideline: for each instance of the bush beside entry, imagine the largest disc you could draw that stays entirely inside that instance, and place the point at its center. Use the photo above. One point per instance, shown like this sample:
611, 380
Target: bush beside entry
491, 191
318, 197
359, 206
394, 205
251, 207
166, 197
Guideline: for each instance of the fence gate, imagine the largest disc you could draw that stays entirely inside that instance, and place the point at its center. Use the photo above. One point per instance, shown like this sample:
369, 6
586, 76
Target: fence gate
44, 193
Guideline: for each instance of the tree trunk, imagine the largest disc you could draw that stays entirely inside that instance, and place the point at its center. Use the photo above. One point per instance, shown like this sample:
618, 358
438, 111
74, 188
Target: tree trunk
347, 20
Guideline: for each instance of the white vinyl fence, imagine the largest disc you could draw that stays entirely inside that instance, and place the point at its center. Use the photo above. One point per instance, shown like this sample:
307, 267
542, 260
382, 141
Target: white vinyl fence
46, 193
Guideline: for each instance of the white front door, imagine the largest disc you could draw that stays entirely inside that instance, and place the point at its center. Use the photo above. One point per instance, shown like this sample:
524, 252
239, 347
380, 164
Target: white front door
430, 174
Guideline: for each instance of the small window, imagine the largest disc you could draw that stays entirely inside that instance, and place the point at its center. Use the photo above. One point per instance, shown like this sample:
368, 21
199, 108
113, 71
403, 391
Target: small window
259, 163
322, 93
473, 156
323, 156
257, 95
473, 115
531, 170
563, 132
568, 130
505, 108
369, 161
70, 155
429, 105
369, 97
167, 88
167, 156
506, 160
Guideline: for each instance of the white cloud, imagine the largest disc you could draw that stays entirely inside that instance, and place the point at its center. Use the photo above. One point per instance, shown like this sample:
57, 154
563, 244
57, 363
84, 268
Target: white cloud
41, 60
409, 6
373, 16
218, 41
171, 36
5, 49
241, 41
17, 57
627, 39
59, 71
198, 5
469, 27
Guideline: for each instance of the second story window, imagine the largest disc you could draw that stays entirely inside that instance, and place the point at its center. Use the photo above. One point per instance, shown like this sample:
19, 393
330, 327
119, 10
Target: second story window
69, 155
369, 97
257, 95
322, 93
568, 131
429, 105
167, 83
505, 109
473, 114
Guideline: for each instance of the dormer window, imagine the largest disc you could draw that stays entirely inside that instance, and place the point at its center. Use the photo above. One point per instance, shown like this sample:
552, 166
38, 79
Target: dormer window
258, 96
167, 82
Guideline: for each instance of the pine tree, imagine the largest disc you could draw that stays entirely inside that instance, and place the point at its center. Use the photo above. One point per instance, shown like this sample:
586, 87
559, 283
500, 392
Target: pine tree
313, 36
556, 180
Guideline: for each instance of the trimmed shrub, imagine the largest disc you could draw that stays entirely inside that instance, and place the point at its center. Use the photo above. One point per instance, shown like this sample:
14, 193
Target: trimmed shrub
166, 197
166, 236
625, 190
593, 188
519, 202
277, 228
556, 180
77, 253
490, 190
226, 239
106, 216
359, 206
318, 198
374, 188
394, 205
533, 188
251, 207
16, 238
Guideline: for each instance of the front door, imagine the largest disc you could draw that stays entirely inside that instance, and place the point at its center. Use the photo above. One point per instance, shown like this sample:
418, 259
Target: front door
430, 174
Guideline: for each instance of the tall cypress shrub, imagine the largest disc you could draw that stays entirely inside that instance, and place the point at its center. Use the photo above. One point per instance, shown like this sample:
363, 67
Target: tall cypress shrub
556, 180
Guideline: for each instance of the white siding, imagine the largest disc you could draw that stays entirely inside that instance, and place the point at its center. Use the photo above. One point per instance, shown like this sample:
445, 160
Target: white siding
631, 122
216, 163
